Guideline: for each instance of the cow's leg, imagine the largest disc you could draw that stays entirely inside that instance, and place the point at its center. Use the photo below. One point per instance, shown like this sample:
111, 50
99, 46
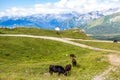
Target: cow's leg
59, 73
65, 73
51, 72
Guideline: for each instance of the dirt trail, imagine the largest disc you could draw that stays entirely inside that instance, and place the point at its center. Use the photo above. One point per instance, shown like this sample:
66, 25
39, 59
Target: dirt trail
102, 75
114, 61
65, 40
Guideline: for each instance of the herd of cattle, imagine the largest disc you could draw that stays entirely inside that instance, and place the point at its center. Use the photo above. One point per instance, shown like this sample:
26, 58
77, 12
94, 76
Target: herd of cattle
63, 70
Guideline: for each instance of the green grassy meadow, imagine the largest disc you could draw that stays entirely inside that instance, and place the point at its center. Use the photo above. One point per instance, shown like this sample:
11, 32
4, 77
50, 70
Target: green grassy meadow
29, 59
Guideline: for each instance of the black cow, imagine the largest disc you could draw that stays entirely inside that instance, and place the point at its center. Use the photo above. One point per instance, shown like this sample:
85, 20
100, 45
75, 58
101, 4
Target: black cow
68, 68
74, 63
72, 56
115, 41
57, 69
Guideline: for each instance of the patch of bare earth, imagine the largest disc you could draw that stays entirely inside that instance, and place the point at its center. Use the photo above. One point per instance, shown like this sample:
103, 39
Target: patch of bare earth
114, 61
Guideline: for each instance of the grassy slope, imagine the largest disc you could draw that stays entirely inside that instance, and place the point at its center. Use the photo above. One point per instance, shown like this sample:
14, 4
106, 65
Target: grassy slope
107, 37
28, 59
95, 22
42, 32
112, 46
103, 20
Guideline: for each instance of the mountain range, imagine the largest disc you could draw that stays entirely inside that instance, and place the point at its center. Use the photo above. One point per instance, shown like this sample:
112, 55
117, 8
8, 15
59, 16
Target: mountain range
108, 25
50, 21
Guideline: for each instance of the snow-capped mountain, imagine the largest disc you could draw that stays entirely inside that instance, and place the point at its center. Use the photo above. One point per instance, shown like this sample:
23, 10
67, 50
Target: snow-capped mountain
50, 21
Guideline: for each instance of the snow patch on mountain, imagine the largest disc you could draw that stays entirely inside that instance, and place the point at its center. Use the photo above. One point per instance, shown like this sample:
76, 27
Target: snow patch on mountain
115, 19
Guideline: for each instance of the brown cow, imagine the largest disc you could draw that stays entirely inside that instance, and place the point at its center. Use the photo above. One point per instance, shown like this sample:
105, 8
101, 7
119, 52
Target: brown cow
68, 68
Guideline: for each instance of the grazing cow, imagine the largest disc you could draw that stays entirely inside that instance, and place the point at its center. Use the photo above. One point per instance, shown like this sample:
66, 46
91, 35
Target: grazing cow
115, 41
74, 63
72, 56
57, 69
68, 68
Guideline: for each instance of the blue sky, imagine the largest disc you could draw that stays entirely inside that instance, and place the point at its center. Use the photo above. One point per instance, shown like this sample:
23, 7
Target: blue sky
5, 4
29, 7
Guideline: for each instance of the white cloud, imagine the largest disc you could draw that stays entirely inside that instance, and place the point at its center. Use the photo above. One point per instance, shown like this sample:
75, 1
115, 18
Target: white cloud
63, 6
